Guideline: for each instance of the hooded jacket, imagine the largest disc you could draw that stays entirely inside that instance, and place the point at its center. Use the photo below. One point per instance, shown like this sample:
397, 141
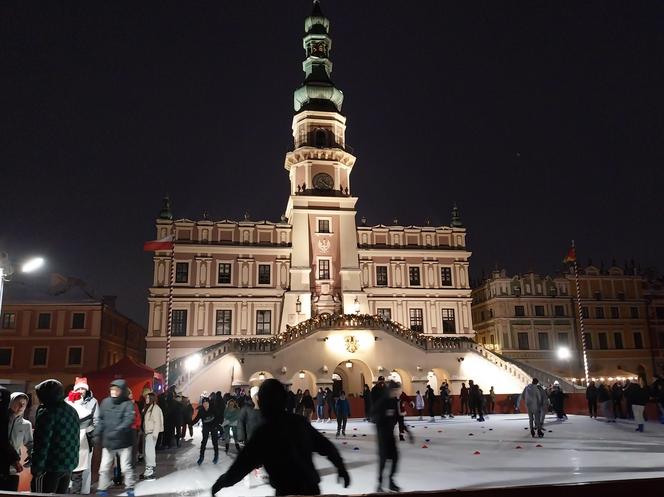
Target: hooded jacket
56, 435
7, 453
20, 429
88, 413
116, 418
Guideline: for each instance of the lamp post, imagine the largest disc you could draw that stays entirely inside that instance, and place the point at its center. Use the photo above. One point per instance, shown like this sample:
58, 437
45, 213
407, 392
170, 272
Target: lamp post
7, 269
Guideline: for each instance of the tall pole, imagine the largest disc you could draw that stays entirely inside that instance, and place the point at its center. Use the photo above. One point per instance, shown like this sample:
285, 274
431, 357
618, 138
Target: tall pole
170, 315
2, 287
580, 309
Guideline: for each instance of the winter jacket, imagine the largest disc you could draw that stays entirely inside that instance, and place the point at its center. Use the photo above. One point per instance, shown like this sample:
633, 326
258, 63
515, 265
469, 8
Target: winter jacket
153, 419
591, 393
8, 455
342, 408
419, 402
284, 445
603, 393
188, 413
208, 417
464, 392
320, 399
248, 422
557, 398
534, 397
639, 395
307, 402
20, 430
231, 416
116, 419
57, 431
430, 395
88, 414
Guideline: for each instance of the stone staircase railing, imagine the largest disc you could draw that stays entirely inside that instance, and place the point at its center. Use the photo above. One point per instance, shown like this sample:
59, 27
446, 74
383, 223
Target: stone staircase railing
545, 377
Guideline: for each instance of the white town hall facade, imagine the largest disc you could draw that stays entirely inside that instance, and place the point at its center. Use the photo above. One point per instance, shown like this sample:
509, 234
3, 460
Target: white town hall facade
316, 297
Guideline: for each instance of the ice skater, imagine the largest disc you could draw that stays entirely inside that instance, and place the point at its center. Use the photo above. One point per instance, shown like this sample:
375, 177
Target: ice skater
208, 418
557, 397
343, 412
284, 444
534, 397
419, 404
386, 416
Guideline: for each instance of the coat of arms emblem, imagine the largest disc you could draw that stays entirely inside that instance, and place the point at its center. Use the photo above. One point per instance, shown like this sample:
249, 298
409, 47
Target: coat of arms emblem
352, 344
324, 245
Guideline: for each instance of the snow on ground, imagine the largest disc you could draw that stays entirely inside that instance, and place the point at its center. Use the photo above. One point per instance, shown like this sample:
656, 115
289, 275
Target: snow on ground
577, 450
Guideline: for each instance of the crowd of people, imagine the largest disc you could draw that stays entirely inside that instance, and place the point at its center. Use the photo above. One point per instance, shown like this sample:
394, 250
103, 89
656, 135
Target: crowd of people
60, 435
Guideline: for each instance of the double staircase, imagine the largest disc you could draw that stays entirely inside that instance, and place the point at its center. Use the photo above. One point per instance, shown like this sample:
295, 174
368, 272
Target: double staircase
179, 375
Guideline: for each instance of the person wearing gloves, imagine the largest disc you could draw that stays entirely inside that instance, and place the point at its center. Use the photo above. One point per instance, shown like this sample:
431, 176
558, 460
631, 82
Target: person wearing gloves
153, 425
56, 440
283, 433
20, 433
208, 417
116, 434
81, 399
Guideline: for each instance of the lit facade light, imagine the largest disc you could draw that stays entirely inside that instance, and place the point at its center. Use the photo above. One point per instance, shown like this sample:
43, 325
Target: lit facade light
349, 364
32, 264
356, 306
301, 374
564, 353
298, 305
261, 376
193, 363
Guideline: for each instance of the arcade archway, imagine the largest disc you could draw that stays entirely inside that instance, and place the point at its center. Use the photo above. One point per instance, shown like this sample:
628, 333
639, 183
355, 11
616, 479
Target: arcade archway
353, 374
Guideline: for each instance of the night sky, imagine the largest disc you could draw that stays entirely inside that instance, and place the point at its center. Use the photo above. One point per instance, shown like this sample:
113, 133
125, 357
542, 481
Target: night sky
543, 120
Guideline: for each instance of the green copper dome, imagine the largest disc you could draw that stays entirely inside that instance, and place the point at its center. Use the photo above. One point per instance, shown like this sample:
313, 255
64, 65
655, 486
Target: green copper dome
317, 91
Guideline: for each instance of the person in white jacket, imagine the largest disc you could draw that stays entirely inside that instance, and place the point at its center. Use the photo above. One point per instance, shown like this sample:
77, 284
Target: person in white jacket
153, 425
19, 431
81, 399
419, 404
535, 399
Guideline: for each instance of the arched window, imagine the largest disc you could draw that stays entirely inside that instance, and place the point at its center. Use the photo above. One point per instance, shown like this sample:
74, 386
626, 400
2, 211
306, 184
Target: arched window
320, 138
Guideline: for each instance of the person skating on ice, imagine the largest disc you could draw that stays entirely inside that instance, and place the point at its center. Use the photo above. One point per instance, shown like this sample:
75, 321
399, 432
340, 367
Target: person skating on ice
283, 433
386, 416
534, 397
208, 417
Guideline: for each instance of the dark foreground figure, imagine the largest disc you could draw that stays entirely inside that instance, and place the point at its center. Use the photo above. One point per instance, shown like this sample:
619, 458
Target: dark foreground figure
284, 444
386, 417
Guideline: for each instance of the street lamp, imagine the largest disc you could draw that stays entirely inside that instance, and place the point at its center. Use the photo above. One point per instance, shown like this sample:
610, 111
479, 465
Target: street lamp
7, 269
193, 363
564, 354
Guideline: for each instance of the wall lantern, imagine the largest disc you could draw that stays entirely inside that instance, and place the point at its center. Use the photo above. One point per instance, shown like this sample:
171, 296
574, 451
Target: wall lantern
325, 369
261, 376
284, 369
349, 364
357, 306
298, 305
380, 369
301, 375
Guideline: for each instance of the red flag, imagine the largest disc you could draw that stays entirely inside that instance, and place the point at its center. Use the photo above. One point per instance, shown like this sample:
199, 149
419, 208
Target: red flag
165, 243
571, 255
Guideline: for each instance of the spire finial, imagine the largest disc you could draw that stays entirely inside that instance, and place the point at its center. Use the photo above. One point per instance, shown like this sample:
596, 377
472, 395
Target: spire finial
456, 217
165, 212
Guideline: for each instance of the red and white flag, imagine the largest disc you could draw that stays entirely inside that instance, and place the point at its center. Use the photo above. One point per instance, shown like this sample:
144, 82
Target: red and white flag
165, 243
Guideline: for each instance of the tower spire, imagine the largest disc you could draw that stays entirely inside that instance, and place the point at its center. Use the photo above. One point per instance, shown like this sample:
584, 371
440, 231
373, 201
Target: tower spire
317, 91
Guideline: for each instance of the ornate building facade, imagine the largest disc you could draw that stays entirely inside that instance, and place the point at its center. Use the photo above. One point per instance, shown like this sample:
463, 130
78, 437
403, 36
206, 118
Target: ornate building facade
264, 286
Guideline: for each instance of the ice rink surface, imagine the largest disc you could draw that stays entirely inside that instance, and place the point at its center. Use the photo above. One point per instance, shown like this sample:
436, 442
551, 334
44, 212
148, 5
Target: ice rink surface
577, 450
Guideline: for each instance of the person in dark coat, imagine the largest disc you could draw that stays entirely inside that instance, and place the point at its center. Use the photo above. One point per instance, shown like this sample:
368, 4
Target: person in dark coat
55, 440
638, 395
207, 415
430, 397
320, 404
591, 397
291, 401
178, 419
616, 400
475, 401
343, 412
464, 399
307, 404
557, 398
8, 456
116, 435
187, 416
386, 417
604, 400
366, 397
284, 445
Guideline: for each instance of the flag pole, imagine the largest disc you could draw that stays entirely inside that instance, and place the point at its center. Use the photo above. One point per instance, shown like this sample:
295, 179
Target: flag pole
169, 328
580, 309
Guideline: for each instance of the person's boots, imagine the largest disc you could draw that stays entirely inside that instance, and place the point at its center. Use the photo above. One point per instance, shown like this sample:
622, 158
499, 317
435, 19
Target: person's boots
401, 437
379, 488
540, 433
640, 428
337, 434
200, 460
216, 458
451, 416
532, 432
227, 445
237, 447
394, 487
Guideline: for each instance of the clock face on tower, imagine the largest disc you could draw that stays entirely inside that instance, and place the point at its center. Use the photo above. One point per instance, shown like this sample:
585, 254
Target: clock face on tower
318, 49
323, 181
